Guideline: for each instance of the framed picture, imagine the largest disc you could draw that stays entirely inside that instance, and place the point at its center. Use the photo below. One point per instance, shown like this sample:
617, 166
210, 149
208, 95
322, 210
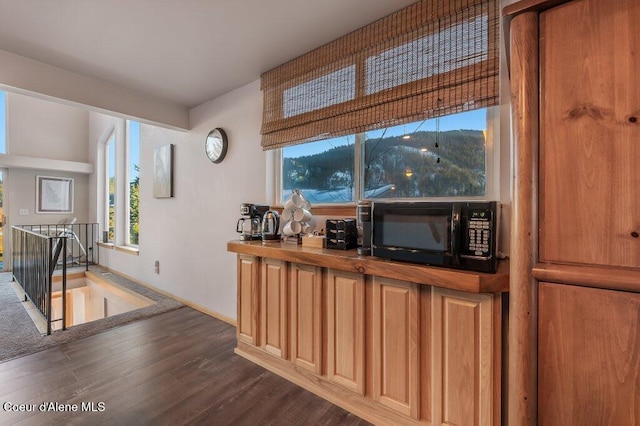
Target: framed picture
163, 171
54, 194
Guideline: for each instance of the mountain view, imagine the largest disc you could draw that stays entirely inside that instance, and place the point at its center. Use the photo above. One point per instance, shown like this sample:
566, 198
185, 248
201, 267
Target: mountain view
395, 167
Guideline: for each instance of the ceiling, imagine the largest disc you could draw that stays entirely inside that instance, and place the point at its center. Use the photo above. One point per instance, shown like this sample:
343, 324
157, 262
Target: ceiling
182, 51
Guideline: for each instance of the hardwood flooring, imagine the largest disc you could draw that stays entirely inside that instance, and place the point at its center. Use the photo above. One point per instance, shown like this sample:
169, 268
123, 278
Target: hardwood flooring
174, 368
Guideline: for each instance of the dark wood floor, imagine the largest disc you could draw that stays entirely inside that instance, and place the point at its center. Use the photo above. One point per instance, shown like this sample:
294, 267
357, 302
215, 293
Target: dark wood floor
175, 368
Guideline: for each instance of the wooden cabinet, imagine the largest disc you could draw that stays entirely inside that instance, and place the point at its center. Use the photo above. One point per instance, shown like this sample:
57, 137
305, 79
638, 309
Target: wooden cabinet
589, 133
463, 375
584, 99
395, 335
388, 350
306, 316
588, 356
345, 329
248, 298
274, 319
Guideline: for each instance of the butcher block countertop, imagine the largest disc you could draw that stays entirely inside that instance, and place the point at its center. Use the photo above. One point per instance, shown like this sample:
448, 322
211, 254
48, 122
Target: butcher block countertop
349, 260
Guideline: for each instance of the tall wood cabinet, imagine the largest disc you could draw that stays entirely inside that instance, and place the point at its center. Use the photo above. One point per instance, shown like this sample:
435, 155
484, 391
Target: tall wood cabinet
575, 290
589, 356
590, 133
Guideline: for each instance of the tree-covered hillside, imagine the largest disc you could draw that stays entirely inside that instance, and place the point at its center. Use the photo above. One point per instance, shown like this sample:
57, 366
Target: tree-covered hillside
404, 167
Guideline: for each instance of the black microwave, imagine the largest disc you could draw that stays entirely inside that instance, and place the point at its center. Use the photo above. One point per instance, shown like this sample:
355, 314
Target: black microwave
461, 235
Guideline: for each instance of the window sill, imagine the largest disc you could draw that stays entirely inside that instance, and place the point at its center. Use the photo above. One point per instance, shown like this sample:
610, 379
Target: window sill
134, 251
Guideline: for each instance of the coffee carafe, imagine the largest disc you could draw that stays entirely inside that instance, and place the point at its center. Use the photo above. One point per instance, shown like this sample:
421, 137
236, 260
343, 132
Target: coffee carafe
250, 225
271, 226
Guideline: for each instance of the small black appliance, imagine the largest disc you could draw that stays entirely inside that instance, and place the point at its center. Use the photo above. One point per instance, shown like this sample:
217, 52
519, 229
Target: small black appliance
363, 214
341, 234
271, 226
461, 235
250, 225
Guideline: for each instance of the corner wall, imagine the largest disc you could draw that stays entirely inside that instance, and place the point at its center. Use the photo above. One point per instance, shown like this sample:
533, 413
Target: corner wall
188, 233
45, 130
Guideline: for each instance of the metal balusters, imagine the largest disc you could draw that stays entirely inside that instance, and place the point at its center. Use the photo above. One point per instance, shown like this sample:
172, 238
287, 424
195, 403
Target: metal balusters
40, 249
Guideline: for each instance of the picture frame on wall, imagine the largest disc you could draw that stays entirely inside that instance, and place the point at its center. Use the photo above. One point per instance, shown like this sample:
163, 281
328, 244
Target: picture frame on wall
163, 171
54, 194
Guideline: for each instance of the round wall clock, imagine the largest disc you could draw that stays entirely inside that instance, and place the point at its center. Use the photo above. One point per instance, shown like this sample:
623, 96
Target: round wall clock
216, 145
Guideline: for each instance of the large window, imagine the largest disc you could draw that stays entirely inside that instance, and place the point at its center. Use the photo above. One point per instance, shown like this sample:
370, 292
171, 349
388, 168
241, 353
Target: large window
133, 160
324, 170
448, 156
110, 149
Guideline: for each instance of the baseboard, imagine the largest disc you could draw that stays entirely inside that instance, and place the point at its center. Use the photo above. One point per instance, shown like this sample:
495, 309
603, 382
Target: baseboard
195, 306
360, 405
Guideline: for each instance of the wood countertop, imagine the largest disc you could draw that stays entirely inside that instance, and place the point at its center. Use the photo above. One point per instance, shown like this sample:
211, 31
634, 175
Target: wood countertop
349, 260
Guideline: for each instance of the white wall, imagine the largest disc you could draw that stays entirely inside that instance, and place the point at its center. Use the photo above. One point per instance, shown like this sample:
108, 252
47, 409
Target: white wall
22, 75
188, 233
45, 129
42, 129
21, 184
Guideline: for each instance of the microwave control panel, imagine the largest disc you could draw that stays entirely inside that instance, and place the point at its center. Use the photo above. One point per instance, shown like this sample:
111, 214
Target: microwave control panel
479, 228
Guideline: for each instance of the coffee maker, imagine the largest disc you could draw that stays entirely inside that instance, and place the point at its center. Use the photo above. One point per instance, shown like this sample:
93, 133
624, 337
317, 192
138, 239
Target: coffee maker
249, 226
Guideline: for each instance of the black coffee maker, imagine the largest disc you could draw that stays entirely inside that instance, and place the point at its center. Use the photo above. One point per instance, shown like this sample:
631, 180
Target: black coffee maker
249, 226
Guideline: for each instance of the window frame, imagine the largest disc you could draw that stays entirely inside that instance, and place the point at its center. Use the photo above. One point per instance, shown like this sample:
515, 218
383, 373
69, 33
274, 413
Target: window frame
492, 170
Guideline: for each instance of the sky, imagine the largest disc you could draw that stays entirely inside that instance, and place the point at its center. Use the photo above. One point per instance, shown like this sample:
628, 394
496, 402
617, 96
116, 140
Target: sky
134, 148
470, 120
134, 151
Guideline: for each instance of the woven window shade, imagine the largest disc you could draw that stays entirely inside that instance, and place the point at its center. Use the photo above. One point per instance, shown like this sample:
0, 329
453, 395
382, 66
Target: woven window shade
433, 58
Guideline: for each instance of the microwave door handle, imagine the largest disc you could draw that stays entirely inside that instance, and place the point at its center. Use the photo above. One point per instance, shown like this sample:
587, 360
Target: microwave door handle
455, 234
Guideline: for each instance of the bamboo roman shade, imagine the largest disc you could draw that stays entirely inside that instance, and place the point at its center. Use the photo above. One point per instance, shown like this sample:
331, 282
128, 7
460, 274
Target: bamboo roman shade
433, 58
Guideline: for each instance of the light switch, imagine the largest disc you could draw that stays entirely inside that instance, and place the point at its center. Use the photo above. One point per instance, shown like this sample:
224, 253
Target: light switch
24, 212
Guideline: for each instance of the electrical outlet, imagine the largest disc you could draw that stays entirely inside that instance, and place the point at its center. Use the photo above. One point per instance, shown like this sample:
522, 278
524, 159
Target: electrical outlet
156, 267
24, 212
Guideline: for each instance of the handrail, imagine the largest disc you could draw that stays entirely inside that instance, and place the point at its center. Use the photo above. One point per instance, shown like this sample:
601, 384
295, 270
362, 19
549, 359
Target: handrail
82, 248
34, 258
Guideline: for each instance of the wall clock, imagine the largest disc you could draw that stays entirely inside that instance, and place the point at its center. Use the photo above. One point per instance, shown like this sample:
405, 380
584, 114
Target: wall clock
216, 145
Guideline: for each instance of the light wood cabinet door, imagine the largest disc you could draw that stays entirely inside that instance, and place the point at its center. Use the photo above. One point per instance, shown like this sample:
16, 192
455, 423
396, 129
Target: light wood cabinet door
395, 334
345, 329
462, 362
248, 270
590, 133
306, 316
274, 305
588, 356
